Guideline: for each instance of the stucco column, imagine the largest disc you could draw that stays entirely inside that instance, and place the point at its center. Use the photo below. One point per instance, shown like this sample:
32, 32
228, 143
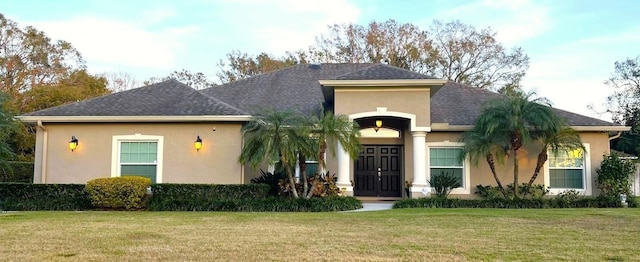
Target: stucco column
419, 186
344, 174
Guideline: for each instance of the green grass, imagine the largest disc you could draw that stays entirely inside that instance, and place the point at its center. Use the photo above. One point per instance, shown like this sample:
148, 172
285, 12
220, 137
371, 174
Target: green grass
404, 234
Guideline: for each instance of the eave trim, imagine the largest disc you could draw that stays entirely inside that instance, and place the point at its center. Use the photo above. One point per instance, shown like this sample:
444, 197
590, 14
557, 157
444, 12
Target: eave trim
383, 82
131, 119
446, 127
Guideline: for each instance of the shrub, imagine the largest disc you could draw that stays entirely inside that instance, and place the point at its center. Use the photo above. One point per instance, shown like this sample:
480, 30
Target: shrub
118, 192
30, 197
565, 198
615, 177
199, 196
325, 185
488, 192
269, 204
535, 191
271, 179
436, 202
443, 184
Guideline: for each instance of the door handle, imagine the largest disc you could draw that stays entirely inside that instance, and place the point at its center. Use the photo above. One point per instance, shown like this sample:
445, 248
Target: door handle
379, 174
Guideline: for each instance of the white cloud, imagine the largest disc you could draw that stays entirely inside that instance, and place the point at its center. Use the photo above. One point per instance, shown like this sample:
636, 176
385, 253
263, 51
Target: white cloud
514, 20
279, 26
115, 44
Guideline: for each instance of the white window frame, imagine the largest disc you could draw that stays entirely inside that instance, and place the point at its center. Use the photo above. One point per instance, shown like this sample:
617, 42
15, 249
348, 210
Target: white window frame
466, 171
115, 152
586, 190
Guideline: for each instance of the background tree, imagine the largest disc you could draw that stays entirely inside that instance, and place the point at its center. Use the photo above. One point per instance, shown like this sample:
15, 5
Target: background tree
29, 58
624, 103
120, 81
79, 85
7, 127
195, 80
401, 45
453, 51
35, 73
468, 56
241, 65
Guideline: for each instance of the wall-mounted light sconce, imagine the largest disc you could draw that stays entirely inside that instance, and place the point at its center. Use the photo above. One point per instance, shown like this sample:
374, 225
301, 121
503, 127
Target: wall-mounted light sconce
378, 125
198, 143
73, 144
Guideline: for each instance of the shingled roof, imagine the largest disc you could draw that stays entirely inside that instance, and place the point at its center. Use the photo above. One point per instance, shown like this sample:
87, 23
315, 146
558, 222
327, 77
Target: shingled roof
168, 98
458, 104
292, 88
380, 72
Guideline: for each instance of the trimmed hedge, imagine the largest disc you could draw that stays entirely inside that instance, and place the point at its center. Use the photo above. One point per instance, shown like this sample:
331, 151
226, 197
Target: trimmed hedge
172, 196
29, 197
584, 202
118, 192
269, 204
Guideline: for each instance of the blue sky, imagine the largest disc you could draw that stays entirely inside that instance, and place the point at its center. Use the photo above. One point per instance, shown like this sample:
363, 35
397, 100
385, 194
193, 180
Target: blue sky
572, 45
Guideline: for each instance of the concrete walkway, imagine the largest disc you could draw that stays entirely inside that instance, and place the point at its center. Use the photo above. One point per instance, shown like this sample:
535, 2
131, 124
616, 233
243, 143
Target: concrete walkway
374, 206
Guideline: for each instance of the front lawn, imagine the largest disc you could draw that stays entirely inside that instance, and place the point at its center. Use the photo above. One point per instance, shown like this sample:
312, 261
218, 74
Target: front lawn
405, 234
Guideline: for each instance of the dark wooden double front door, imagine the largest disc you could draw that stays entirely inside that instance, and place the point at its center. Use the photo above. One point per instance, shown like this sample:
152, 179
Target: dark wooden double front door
378, 171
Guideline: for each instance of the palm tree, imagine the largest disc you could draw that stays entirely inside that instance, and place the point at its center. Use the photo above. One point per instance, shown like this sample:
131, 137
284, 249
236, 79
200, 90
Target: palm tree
562, 140
478, 145
327, 131
275, 137
515, 119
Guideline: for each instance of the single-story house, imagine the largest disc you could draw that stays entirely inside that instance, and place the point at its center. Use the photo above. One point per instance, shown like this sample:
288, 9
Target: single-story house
411, 127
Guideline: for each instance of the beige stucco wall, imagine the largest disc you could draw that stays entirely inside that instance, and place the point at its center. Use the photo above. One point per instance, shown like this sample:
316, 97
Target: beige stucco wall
598, 143
481, 174
407, 100
216, 162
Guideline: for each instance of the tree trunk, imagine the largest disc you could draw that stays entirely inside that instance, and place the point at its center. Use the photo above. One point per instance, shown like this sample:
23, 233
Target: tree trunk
515, 173
492, 165
313, 187
292, 182
542, 158
302, 163
323, 149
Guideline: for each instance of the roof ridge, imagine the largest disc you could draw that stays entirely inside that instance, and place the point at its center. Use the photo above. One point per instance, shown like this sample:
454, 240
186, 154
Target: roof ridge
193, 90
217, 100
258, 75
352, 72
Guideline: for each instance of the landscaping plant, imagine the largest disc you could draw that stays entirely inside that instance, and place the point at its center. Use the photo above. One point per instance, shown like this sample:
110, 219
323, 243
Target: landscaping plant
615, 177
443, 184
124, 192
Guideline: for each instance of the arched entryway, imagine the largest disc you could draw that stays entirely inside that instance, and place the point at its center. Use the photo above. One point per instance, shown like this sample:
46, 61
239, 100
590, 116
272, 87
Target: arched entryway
411, 159
378, 171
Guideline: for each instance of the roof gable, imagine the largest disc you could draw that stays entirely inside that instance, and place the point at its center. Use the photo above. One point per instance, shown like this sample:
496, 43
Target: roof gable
168, 98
